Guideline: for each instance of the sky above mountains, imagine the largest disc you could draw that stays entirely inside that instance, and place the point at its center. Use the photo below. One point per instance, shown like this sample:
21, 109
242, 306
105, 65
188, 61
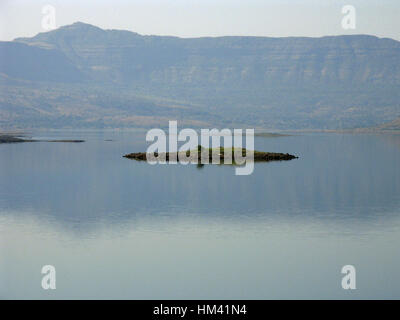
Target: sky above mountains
195, 18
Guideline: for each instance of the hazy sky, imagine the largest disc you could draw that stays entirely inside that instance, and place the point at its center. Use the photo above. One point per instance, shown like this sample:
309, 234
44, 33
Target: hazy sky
194, 18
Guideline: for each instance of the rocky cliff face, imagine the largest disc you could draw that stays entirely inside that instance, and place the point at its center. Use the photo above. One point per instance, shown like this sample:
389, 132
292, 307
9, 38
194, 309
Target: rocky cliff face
127, 56
285, 83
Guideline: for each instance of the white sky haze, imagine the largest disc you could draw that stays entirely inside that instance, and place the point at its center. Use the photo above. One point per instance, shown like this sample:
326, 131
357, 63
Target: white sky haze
195, 18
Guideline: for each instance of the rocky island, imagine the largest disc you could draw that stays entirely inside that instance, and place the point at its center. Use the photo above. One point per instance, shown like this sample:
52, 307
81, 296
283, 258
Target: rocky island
7, 138
195, 155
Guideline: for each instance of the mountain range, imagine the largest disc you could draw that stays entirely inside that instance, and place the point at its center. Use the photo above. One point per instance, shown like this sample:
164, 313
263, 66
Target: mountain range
81, 76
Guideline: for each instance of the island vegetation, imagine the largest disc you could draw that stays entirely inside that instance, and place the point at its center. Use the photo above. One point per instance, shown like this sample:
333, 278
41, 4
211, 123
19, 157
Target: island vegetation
195, 155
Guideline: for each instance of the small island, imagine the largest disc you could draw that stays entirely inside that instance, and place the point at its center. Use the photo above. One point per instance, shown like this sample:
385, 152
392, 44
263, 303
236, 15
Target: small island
195, 155
9, 138
271, 135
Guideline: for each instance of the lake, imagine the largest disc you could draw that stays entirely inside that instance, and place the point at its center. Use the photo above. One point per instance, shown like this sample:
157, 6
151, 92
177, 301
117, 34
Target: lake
116, 228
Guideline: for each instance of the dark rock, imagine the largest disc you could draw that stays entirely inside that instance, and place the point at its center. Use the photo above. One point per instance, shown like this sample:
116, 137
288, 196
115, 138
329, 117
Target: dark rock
195, 155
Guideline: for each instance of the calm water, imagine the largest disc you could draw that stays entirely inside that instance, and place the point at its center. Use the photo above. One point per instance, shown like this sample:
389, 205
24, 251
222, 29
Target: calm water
117, 228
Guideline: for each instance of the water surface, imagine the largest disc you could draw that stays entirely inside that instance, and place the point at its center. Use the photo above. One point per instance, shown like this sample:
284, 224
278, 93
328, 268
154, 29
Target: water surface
117, 228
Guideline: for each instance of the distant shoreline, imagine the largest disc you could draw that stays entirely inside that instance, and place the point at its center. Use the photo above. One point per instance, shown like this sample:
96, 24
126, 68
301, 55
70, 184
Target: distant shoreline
9, 138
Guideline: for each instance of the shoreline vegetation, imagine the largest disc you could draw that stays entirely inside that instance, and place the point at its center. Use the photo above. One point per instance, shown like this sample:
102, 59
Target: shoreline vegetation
9, 138
195, 156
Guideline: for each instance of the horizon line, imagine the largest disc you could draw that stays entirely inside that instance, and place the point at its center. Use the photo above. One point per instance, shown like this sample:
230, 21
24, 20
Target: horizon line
201, 37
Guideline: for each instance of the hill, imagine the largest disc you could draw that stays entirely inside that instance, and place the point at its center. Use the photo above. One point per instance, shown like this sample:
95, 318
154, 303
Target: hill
332, 82
392, 125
